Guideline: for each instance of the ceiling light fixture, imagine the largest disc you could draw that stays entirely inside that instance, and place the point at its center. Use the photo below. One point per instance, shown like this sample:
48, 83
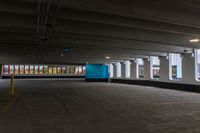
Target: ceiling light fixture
194, 39
107, 57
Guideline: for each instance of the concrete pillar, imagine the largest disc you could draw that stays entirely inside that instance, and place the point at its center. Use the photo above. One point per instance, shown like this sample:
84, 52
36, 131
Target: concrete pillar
1, 71
114, 70
147, 69
188, 68
164, 68
127, 69
123, 70
133, 70
110, 67
118, 70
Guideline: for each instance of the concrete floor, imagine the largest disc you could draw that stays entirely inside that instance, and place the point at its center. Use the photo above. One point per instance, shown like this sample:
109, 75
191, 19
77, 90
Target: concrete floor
59, 106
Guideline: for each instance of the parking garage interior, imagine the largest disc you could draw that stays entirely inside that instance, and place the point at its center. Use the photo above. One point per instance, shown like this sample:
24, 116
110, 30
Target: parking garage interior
88, 66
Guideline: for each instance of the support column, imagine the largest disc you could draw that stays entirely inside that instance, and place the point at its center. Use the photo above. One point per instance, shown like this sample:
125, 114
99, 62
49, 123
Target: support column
110, 66
164, 68
147, 69
123, 70
114, 70
133, 70
188, 68
127, 69
118, 70
1, 70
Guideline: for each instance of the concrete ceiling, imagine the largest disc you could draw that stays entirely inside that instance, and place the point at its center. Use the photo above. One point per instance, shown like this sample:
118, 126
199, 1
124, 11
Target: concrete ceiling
37, 31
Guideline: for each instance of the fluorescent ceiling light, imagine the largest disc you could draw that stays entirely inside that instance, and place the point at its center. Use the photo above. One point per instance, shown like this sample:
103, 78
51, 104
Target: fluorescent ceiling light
194, 40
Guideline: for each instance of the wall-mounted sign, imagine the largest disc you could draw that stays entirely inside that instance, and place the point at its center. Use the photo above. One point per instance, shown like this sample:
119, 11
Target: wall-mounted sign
66, 50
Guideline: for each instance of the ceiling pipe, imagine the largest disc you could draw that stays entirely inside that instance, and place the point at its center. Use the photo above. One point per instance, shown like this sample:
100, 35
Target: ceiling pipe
45, 20
38, 18
55, 17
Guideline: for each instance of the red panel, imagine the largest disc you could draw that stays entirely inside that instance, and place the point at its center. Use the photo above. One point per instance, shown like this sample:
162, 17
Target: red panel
43, 69
24, 69
38, 69
13, 69
29, 69
18, 69
33, 69
2, 69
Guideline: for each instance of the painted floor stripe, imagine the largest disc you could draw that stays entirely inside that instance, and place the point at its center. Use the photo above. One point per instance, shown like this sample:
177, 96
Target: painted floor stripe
9, 105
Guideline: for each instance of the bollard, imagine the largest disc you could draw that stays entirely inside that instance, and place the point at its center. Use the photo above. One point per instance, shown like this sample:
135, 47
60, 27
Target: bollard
12, 90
